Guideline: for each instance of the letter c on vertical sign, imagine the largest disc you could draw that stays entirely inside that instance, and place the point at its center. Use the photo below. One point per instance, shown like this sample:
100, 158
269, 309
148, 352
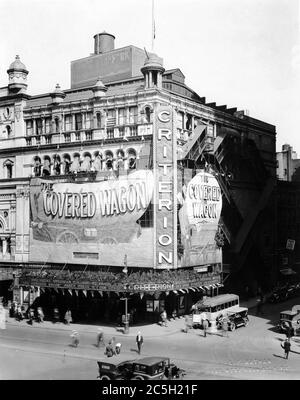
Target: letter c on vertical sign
164, 119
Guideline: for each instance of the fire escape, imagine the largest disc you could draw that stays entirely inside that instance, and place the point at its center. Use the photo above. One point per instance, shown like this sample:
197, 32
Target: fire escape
239, 227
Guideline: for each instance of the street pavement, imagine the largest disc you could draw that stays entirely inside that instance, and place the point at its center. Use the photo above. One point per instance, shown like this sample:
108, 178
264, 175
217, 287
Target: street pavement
44, 351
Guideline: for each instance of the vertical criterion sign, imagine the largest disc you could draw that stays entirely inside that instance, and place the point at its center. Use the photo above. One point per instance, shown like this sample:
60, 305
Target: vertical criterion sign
165, 213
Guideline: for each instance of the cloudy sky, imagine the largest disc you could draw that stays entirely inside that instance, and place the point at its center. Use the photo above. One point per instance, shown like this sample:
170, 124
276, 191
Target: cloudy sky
242, 53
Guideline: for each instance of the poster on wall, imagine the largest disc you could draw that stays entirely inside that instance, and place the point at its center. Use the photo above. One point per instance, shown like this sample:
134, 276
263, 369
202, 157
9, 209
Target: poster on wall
98, 222
200, 205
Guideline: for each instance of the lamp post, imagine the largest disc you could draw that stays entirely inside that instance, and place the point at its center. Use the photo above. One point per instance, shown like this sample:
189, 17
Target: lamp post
126, 321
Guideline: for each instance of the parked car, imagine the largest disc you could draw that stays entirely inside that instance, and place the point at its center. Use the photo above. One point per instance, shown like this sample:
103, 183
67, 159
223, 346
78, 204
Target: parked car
290, 321
147, 368
285, 292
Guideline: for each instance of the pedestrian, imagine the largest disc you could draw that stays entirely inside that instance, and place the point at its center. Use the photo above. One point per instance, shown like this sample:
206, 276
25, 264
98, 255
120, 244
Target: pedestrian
187, 323
75, 338
163, 317
259, 307
205, 326
68, 317
100, 337
31, 316
19, 316
55, 315
118, 348
246, 293
225, 327
174, 314
109, 350
287, 347
139, 341
40, 314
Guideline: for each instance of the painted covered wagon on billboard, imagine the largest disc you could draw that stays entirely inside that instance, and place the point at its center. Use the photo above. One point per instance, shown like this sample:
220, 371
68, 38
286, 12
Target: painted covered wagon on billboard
99, 220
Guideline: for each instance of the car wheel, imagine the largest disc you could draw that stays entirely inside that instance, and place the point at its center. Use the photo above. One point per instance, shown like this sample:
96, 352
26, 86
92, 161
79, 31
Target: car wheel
232, 326
104, 378
138, 378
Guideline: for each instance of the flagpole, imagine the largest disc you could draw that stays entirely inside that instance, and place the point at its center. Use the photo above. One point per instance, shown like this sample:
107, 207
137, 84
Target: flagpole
153, 26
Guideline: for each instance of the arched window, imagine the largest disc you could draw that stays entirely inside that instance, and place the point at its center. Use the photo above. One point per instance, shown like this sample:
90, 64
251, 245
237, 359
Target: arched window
109, 160
56, 164
8, 165
8, 130
120, 159
86, 163
37, 166
131, 159
67, 164
46, 166
147, 114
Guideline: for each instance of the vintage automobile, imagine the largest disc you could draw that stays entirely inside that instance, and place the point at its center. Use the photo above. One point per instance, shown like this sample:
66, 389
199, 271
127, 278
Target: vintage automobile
290, 321
238, 318
147, 368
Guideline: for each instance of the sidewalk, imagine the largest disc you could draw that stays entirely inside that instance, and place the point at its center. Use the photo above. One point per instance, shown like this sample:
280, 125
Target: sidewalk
147, 330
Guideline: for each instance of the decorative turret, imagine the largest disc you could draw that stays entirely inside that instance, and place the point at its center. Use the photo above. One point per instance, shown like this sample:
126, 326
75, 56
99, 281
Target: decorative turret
58, 95
99, 88
17, 76
152, 71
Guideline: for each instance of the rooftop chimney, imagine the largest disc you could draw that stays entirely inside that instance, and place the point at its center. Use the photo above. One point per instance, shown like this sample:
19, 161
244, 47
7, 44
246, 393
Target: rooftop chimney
104, 42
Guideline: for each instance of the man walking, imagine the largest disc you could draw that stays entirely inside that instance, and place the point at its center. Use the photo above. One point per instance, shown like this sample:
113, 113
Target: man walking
225, 327
287, 348
205, 326
139, 341
100, 337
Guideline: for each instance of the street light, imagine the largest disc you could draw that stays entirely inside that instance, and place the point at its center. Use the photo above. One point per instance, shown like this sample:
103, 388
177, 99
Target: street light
126, 321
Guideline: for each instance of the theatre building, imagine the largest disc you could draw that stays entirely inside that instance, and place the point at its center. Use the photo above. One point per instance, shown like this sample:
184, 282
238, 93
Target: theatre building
115, 188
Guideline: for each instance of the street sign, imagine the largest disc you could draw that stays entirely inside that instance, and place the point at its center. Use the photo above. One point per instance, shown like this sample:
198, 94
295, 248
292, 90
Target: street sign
290, 244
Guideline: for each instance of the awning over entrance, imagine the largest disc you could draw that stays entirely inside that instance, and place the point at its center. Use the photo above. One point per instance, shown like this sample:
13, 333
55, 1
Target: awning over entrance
178, 281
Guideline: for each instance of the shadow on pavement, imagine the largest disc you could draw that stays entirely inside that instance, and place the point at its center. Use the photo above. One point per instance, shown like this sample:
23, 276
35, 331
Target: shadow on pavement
276, 355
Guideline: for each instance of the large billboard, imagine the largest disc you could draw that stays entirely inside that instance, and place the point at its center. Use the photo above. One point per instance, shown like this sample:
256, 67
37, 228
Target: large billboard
200, 205
96, 222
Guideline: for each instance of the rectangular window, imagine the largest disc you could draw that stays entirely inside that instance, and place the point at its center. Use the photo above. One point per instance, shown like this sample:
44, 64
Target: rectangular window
68, 123
132, 115
122, 116
98, 118
110, 133
39, 126
28, 141
77, 136
29, 127
48, 139
38, 140
111, 118
78, 121
48, 125
88, 120
67, 138
121, 132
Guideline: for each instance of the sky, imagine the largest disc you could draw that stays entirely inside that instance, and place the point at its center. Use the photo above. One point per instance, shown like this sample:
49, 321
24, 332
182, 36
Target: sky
243, 53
